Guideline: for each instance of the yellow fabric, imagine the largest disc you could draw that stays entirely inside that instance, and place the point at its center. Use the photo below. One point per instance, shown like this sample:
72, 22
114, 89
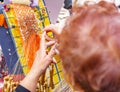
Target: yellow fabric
2, 21
19, 41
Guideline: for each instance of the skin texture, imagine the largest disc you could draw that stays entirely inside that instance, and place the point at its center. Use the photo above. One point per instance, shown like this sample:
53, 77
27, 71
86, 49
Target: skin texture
42, 61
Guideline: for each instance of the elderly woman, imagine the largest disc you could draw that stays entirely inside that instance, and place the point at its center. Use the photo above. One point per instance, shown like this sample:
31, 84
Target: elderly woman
89, 48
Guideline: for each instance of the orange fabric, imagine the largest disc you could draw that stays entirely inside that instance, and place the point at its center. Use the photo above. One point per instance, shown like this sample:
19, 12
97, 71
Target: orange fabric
2, 21
5, 24
31, 47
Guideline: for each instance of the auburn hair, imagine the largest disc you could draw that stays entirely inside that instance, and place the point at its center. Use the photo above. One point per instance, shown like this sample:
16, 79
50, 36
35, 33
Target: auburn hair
90, 48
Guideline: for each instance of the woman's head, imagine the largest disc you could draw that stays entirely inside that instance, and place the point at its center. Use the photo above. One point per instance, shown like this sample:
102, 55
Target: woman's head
90, 48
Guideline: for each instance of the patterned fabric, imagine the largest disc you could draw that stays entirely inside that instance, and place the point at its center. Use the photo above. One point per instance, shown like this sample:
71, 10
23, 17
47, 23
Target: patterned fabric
21, 21
3, 67
2, 21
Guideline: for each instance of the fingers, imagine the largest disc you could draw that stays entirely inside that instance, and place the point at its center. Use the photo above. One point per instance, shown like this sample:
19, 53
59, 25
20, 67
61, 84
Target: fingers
42, 42
49, 38
50, 57
43, 36
57, 52
52, 28
52, 51
54, 61
43, 48
50, 43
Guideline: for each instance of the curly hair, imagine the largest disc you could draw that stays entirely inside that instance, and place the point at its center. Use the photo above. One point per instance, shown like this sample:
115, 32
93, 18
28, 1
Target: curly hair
90, 48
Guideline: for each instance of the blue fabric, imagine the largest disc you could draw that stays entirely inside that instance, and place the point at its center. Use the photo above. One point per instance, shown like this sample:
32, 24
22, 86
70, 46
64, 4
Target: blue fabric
21, 89
8, 49
67, 4
1, 5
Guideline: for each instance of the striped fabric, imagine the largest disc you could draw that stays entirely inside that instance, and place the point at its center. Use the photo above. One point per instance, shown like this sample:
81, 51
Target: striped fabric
15, 16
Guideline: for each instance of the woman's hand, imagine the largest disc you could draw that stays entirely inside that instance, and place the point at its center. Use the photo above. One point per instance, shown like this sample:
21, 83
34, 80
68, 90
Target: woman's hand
55, 30
42, 61
43, 58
